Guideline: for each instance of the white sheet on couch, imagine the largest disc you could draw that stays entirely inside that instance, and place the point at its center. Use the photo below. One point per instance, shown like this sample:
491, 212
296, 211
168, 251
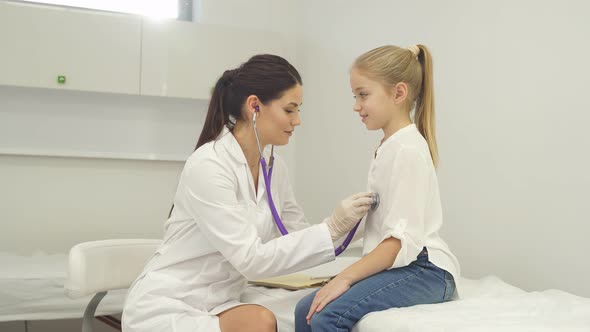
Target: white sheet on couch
31, 288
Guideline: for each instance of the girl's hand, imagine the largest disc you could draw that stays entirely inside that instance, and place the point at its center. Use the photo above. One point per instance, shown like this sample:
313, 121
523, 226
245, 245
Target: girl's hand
331, 291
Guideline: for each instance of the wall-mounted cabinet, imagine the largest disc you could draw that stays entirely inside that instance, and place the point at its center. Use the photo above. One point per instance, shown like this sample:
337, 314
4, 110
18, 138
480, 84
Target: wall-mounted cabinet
181, 59
128, 59
120, 53
91, 51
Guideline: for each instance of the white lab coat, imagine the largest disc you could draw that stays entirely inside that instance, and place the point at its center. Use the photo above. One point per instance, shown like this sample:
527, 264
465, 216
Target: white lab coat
219, 235
410, 210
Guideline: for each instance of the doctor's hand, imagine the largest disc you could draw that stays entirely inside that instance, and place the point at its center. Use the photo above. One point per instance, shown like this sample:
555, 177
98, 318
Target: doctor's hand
331, 291
348, 213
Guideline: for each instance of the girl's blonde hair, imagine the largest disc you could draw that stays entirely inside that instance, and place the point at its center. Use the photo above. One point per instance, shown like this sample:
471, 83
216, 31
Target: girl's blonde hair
390, 65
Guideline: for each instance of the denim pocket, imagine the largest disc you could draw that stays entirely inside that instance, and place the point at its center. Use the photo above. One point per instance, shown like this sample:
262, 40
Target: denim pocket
449, 286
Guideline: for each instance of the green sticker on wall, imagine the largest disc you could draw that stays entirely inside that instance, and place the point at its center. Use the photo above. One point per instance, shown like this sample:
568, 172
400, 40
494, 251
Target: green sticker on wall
61, 79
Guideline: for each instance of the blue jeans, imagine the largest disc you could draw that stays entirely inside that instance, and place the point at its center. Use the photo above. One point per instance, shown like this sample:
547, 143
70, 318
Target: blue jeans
421, 282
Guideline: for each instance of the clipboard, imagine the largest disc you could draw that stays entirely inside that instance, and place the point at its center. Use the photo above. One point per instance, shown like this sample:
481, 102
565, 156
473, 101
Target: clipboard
292, 282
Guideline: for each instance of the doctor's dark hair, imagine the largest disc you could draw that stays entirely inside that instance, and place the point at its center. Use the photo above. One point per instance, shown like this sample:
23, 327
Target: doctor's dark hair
390, 65
265, 76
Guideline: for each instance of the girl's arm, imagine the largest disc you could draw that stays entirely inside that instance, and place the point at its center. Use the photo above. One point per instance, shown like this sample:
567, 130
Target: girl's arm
381, 258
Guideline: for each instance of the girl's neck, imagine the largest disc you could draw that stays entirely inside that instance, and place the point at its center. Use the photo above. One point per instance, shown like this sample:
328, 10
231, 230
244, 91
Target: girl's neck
394, 125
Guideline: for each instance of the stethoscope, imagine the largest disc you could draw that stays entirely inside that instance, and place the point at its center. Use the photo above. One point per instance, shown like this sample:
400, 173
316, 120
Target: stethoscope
267, 175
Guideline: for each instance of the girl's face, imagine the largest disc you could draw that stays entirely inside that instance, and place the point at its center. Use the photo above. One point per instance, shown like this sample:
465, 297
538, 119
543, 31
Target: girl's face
277, 119
373, 102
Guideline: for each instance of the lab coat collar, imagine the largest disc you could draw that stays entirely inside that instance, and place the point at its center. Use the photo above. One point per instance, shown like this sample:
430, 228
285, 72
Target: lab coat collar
230, 143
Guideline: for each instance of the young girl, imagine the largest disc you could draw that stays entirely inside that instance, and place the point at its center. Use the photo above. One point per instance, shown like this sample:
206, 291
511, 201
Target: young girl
405, 261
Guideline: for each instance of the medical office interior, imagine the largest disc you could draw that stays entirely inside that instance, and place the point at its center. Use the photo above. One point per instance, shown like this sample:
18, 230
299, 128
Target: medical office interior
100, 109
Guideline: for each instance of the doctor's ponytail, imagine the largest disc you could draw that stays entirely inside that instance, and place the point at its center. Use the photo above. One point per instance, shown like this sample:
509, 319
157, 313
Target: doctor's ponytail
217, 117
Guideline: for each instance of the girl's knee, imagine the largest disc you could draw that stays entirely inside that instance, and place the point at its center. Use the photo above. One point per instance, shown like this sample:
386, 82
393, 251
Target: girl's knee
320, 321
330, 320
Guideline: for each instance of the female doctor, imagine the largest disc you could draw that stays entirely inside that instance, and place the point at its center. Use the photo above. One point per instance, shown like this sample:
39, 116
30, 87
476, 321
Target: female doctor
221, 231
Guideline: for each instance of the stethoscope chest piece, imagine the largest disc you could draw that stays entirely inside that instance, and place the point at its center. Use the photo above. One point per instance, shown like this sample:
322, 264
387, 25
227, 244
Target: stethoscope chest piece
376, 201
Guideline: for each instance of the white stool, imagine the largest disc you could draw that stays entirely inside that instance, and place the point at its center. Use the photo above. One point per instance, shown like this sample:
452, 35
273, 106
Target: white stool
96, 267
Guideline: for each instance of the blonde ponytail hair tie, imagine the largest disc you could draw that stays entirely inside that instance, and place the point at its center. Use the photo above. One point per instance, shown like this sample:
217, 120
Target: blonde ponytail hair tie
414, 49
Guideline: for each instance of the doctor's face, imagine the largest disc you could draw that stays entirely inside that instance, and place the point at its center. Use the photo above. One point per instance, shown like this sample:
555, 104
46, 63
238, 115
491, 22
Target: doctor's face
372, 101
279, 117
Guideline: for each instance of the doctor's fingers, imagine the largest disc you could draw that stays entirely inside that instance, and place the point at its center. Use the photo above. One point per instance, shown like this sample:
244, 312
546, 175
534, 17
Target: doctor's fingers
361, 195
362, 201
362, 210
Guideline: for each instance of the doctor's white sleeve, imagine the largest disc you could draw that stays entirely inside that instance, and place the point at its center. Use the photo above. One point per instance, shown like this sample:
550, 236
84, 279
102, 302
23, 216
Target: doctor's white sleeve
228, 224
407, 195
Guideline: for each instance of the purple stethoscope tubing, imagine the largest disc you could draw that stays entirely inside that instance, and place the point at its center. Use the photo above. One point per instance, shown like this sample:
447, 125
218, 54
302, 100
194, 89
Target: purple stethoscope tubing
267, 175
267, 178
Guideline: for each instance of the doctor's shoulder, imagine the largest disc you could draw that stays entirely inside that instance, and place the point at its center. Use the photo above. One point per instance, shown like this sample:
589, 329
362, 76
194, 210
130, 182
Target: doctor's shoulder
207, 164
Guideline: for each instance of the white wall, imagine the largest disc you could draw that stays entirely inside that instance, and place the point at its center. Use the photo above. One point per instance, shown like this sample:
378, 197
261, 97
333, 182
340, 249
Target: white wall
511, 85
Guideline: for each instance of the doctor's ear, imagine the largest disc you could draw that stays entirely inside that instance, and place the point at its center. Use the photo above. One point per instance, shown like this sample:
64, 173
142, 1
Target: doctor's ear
253, 104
